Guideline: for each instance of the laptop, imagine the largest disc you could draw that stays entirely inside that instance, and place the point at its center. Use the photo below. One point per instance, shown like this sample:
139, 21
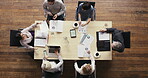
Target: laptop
51, 49
103, 45
103, 42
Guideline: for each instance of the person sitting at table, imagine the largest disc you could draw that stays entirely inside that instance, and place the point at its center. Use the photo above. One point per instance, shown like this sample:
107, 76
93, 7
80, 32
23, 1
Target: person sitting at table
85, 13
50, 68
117, 37
26, 37
53, 10
86, 69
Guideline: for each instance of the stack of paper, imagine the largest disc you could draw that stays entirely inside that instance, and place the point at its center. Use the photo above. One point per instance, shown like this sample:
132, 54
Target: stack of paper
56, 26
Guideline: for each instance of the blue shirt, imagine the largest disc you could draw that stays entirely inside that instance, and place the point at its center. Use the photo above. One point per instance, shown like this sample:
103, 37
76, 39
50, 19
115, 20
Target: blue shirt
85, 14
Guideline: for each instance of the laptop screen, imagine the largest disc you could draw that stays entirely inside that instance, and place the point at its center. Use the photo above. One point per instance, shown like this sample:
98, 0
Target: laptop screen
53, 48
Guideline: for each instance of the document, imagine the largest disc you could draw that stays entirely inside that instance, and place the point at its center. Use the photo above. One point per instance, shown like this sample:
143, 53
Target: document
44, 27
56, 26
40, 42
86, 39
82, 50
82, 29
41, 34
103, 36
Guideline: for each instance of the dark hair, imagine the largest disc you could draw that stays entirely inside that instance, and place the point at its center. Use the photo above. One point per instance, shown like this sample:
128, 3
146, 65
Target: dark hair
18, 35
50, 0
86, 5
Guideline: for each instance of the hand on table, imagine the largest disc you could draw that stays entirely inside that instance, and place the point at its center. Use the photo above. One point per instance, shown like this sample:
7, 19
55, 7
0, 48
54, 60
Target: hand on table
79, 22
88, 52
56, 52
103, 30
55, 16
35, 48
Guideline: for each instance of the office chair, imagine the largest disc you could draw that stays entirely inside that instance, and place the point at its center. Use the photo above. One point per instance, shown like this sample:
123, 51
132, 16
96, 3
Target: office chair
94, 11
61, 1
126, 37
15, 41
80, 63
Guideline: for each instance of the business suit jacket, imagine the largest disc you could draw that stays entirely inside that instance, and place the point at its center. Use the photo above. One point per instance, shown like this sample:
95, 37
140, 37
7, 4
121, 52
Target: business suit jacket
117, 36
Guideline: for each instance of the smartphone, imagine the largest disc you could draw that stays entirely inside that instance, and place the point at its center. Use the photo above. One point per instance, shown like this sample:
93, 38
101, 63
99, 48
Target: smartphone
73, 33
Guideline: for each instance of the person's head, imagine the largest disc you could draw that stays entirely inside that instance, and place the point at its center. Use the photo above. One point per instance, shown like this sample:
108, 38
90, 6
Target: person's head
87, 69
51, 2
116, 45
46, 65
86, 5
18, 35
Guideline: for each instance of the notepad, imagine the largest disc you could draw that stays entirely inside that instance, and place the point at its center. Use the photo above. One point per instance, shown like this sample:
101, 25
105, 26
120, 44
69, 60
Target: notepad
40, 42
40, 34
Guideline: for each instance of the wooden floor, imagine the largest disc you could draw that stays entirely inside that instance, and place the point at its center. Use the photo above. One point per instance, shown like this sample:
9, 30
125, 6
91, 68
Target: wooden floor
128, 15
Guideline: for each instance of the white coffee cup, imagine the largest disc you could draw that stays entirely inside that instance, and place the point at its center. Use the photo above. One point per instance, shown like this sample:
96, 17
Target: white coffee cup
75, 25
97, 55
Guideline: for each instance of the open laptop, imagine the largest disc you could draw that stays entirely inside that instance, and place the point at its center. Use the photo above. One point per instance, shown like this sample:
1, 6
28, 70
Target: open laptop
103, 41
103, 45
51, 49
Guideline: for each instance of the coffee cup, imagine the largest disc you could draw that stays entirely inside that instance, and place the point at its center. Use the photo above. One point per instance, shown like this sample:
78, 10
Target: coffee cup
97, 55
76, 25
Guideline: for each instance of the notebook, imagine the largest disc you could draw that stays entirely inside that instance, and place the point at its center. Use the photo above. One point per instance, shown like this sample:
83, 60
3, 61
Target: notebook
40, 42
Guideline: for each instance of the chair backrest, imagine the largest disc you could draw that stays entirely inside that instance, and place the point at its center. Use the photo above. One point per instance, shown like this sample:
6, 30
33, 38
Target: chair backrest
126, 36
15, 41
92, 3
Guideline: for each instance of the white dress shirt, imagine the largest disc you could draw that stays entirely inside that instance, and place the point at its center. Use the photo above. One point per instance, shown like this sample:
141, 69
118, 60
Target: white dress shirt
30, 37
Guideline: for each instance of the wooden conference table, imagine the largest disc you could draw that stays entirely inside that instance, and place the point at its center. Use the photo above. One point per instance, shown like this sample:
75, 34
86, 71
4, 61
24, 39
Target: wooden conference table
69, 46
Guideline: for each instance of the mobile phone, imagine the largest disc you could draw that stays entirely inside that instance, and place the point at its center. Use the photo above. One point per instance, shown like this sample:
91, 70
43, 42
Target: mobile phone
73, 33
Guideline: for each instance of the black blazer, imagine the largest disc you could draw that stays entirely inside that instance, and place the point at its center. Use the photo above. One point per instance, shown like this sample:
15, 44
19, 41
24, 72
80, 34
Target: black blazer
117, 36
